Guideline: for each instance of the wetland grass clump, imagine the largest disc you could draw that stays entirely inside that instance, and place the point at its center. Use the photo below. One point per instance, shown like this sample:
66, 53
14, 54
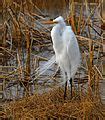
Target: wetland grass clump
52, 105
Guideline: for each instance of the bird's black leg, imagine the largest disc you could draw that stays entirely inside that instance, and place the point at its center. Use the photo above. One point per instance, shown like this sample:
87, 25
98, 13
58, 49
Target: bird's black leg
65, 90
71, 86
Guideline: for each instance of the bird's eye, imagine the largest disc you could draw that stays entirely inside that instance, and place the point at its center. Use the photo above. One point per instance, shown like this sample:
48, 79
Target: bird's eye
51, 19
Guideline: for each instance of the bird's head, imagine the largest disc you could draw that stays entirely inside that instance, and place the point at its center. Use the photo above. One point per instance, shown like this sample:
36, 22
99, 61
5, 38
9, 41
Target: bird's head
58, 20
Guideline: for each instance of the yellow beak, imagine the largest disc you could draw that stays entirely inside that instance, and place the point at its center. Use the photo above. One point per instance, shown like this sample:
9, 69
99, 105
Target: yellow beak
50, 22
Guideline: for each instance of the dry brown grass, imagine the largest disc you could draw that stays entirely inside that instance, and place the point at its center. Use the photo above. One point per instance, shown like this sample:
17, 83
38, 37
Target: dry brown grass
52, 105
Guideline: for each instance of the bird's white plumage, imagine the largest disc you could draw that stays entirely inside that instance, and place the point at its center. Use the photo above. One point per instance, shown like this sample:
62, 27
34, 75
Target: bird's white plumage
66, 48
67, 53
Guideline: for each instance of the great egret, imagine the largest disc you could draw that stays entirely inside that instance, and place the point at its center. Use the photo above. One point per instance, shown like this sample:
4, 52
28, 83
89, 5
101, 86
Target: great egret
66, 49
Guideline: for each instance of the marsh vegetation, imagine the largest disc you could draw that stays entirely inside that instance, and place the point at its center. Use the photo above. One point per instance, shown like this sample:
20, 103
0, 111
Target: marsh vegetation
26, 46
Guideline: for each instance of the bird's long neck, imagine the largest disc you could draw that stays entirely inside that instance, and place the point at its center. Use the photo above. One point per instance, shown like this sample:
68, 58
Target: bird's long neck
57, 32
60, 27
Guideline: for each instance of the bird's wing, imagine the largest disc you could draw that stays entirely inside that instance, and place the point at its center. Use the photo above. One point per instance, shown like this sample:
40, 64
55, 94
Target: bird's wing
73, 51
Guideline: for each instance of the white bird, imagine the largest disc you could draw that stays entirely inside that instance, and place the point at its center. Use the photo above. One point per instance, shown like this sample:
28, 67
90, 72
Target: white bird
66, 49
